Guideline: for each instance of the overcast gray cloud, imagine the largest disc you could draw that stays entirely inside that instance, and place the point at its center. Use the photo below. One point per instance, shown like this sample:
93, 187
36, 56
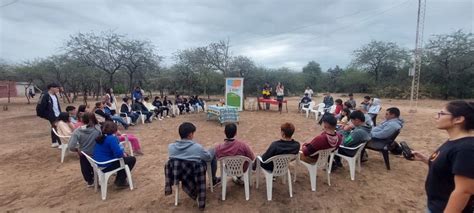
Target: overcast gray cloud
272, 33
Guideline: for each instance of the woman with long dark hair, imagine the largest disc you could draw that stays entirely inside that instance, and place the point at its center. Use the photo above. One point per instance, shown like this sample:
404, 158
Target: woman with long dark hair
107, 148
450, 181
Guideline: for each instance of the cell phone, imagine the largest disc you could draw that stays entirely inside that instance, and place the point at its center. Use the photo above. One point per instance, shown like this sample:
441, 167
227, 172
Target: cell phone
406, 151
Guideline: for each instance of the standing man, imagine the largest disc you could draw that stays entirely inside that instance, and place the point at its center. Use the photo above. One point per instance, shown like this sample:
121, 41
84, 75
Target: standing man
309, 91
48, 108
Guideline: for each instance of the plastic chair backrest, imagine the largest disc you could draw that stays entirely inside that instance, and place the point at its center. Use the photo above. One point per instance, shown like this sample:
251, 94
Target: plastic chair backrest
394, 135
234, 165
280, 163
321, 107
91, 161
360, 148
332, 109
323, 156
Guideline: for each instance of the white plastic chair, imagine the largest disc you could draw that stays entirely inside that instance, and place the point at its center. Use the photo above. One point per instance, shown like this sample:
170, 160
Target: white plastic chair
101, 178
280, 168
309, 108
126, 143
125, 116
351, 160
234, 166
322, 162
64, 141
209, 176
318, 111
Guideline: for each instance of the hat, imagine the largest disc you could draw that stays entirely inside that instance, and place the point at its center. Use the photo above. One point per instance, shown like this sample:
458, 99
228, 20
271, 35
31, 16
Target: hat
51, 85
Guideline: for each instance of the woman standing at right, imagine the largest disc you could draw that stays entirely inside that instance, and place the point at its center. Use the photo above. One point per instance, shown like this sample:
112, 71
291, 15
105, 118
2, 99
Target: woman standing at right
450, 181
280, 91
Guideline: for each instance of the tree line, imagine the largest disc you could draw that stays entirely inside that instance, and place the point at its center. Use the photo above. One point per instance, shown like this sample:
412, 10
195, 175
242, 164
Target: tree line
92, 62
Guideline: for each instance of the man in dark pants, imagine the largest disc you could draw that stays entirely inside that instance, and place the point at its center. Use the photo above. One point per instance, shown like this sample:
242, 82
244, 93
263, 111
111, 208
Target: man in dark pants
49, 109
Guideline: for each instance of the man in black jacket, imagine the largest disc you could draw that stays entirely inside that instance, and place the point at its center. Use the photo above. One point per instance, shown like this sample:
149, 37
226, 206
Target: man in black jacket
49, 109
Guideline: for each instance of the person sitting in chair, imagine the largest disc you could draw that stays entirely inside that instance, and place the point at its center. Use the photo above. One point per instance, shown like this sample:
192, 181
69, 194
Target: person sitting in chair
329, 138
233, 147
304, 103
392, 124
286, 145
139, 107
188, 150
360, 134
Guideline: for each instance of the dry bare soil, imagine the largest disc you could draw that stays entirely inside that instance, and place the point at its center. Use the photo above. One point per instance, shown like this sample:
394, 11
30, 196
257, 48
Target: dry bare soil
33, 179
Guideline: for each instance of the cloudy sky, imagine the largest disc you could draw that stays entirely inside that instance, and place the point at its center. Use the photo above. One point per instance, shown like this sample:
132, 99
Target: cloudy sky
273, 33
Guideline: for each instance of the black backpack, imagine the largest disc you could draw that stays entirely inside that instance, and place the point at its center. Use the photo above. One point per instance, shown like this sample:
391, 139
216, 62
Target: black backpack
42, 106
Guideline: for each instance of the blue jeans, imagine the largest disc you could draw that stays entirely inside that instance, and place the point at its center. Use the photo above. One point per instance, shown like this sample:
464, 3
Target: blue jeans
119, 119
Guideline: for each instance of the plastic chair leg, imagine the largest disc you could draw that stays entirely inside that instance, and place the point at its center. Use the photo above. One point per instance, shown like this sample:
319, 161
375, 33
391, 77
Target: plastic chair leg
209, 176
312, 176
247, 185
63, 151
289, 184
269, 180
129, 177
176, 196
224, 184
103, 186
386, 159
328, 174
352, 168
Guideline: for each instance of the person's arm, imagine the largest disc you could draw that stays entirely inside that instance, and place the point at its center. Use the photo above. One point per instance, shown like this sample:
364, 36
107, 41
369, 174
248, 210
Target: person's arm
464, 189
73, 141
418, 156
204, 154
383, 133
270, 152
248, 152
114, 145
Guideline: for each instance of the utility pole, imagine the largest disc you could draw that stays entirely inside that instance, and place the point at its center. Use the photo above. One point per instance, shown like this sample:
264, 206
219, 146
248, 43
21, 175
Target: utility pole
415, 71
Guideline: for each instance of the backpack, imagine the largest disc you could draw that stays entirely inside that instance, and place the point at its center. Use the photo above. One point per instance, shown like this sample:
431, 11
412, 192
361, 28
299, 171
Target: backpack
395, 148
41, 107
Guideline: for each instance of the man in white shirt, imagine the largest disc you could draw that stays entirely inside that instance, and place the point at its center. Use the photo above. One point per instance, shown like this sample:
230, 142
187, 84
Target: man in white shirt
309, 91
49, 109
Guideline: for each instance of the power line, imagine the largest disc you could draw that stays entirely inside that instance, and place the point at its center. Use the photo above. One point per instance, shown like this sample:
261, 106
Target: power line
8, 4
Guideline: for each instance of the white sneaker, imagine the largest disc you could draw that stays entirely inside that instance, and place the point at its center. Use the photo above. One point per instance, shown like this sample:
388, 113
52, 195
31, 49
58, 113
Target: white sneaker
167, 116
160, 118
60, 146
54, 145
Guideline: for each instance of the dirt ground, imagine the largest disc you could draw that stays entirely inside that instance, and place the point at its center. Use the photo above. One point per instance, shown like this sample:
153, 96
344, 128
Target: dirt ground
34, 180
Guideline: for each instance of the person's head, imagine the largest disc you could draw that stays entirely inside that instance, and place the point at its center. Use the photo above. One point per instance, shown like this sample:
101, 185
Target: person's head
347, 105
456, 114
146, 99
230, 130
89, 119
71, 110
346, 112
307, 87
329, 122
125, 99
306, 94
53, 88
108, 128
99, 105
392, 112
64, 116
367, 98
338, 101
186, 130
109, 90
157, 98
357, 118
137, 89
165, 98
82, 108
287, 130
